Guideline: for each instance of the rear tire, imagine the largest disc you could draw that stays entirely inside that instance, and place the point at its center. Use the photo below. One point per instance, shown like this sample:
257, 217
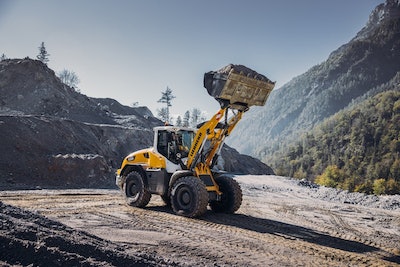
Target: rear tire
231, 198
136, 193
189, 197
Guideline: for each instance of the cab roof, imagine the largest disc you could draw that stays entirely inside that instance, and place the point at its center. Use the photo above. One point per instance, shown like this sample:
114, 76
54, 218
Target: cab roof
173, 128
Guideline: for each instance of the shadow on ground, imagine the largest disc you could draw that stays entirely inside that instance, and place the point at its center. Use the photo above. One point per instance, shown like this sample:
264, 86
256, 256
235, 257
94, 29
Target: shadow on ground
286, 230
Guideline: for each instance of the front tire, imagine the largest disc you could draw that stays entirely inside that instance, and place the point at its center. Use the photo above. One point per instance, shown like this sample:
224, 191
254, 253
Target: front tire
136, 193
189, 197
231, 198
166, 199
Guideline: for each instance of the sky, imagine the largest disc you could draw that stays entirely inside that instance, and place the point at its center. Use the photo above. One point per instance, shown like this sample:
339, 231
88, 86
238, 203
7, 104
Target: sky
132, 50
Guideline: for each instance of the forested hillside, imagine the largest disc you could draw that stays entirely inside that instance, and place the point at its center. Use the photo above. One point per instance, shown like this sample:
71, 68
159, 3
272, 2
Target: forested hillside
357, 149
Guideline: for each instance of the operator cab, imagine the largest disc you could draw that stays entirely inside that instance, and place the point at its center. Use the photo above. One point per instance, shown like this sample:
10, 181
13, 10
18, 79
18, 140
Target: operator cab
173, 142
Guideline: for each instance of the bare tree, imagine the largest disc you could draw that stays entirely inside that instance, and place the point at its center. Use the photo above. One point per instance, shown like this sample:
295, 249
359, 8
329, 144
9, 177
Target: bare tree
43, 55
166, 97
69, 78
3, 57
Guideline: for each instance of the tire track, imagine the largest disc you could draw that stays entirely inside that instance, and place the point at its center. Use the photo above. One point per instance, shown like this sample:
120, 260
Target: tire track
220, 239
246, 242
337, 227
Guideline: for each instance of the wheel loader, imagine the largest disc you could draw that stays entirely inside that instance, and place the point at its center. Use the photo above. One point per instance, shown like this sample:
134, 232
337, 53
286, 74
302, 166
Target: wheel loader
180, 167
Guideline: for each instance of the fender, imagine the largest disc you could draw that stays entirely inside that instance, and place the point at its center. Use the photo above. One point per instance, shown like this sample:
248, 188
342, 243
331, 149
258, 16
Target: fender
179, 174
128, 168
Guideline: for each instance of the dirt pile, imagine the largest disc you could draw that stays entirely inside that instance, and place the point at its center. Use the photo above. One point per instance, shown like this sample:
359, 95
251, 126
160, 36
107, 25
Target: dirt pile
240, 69
30, 239
52, 136
40, 151
235, 162
29, 86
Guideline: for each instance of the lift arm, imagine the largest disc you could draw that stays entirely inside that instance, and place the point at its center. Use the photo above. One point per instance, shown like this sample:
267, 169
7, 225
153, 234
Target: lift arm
236, 88
211, 136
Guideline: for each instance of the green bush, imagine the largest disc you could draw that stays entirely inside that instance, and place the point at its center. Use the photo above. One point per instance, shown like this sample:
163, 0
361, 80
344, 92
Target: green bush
392, 187
331, 177
379, 186
366, 187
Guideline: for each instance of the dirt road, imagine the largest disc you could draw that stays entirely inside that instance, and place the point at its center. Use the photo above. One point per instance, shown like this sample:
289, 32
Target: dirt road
281, 223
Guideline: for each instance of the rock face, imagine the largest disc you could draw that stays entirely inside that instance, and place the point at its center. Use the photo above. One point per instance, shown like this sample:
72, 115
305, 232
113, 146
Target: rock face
53, 136
390, 10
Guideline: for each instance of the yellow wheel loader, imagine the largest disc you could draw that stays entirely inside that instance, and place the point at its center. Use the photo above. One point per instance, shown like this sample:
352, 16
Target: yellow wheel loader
180, 165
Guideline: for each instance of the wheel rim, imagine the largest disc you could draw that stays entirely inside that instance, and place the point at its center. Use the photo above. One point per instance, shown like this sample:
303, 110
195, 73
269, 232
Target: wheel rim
189, 197
133, 190
184, 197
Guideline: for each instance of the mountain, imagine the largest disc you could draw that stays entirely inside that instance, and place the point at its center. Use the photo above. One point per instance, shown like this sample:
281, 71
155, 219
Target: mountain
355, 71
53, 136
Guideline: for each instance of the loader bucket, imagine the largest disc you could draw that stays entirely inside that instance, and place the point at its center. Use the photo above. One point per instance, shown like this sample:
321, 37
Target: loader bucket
238, 86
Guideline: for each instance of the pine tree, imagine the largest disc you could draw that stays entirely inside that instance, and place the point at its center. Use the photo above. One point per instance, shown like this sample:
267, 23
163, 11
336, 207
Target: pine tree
43, 55
196, 113
186, 119
178, 121
166, 97
196, 117
163, 115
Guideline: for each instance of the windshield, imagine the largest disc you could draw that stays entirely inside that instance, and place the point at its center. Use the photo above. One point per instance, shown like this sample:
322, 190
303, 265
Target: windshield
172, 143
185, 139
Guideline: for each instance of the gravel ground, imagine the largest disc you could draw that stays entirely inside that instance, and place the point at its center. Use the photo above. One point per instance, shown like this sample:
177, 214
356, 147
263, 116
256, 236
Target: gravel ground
282, 222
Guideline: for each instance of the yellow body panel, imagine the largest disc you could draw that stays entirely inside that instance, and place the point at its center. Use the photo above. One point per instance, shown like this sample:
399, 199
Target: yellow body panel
147, 158
202, 169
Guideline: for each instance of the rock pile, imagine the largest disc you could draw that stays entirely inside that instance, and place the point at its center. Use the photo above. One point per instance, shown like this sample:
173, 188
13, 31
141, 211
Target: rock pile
53, 136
